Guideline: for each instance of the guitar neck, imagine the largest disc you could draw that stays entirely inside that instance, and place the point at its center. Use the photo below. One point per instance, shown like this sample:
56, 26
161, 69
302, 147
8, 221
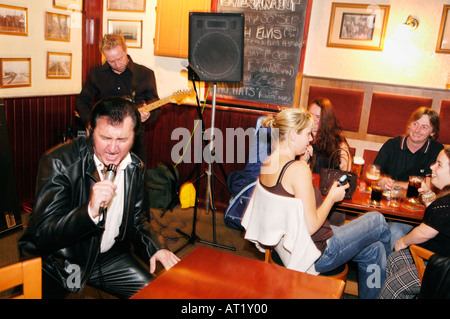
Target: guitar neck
150, 107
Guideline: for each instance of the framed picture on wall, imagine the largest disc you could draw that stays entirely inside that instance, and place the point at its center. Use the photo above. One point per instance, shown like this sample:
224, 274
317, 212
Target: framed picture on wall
443, 44
130, 29
357, 26
130, 5
57, 27
59, 65
15, 72
69, 5
13, 20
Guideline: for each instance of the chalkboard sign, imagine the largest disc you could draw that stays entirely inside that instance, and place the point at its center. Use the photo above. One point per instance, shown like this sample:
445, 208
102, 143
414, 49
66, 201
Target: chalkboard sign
274, 43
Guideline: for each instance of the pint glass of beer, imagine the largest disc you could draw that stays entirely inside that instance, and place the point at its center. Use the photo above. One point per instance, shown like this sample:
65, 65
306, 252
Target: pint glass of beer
372, 175
412, 194
377, 193
358, 164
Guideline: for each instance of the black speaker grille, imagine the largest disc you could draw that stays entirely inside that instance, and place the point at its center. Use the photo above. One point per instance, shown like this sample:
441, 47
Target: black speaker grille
216, 55
216, 43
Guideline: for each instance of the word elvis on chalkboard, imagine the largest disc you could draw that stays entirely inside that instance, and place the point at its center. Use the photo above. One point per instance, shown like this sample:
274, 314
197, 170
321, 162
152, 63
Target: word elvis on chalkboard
273, 41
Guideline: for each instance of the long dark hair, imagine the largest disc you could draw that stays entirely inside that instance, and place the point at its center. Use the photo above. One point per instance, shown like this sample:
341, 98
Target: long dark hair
446, 190
329, 136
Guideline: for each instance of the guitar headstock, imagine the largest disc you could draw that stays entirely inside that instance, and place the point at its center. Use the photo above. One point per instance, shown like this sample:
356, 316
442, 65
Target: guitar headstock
180, 96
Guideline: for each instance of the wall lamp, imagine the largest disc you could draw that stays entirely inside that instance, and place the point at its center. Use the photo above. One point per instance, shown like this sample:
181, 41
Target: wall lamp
411, 22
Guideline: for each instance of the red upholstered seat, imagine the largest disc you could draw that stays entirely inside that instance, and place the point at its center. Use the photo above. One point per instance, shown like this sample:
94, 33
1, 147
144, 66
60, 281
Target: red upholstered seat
347, 104
444, 116
369, 156
389, 113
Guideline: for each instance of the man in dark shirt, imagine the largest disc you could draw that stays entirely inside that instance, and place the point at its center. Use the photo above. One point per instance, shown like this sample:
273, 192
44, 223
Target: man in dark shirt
119, 76
410, 155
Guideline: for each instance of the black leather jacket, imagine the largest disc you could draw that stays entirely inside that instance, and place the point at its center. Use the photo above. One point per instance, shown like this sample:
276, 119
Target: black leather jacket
59, 228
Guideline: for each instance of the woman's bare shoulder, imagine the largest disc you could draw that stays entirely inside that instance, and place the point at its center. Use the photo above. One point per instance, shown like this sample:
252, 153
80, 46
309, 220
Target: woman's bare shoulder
300, 167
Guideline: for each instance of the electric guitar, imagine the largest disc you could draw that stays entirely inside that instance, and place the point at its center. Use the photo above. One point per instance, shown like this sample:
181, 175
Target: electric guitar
179, 97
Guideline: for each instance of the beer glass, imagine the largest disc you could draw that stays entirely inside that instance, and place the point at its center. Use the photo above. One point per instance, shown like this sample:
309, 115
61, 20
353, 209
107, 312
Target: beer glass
377, 193
372, 175
412, 194
357, 167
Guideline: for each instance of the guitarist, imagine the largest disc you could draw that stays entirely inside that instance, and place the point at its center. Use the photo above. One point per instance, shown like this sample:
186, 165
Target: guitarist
119, 76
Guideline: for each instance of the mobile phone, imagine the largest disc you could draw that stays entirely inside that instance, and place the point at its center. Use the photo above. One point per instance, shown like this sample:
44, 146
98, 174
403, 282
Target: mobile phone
343, 179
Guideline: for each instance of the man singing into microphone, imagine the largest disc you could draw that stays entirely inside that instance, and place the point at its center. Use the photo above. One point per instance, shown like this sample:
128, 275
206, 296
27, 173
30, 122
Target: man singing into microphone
78, 245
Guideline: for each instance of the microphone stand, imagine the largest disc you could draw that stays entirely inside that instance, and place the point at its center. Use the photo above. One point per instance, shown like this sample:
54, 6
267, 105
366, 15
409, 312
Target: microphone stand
192, 238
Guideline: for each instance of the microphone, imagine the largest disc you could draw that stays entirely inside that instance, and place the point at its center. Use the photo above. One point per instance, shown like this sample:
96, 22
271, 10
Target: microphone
110, 174
192, 74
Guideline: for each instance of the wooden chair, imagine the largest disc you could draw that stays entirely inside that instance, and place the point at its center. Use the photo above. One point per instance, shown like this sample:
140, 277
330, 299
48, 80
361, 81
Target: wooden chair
420, 254
28, 274
272, 257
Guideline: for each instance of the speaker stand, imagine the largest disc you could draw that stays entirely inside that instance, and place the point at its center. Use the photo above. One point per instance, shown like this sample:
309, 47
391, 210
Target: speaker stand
192, 238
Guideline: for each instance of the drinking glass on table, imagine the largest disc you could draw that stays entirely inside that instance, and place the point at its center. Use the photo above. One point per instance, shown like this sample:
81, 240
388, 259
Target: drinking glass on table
396, 194
412, 194
372, 175
377, 193
357, 167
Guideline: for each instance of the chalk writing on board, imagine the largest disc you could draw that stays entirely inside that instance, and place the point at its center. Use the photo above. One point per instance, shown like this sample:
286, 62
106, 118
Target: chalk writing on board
273, 40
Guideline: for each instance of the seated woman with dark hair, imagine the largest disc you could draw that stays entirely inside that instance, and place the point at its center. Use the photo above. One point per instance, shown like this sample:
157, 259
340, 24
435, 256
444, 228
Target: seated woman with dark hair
328, 138
329, 148
402, 278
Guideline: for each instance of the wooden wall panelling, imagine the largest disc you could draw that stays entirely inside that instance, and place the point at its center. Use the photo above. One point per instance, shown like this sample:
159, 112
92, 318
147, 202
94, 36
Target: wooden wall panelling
171, 117
35, 124
10, 216
91, 35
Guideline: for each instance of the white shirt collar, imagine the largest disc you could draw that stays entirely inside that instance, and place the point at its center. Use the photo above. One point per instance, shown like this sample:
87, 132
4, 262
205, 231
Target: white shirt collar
100, 166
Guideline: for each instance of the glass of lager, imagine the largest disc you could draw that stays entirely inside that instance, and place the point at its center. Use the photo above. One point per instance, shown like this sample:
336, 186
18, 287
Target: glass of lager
372, 175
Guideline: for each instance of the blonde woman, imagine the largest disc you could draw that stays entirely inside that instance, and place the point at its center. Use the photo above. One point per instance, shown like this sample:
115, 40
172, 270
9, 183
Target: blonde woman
363, 240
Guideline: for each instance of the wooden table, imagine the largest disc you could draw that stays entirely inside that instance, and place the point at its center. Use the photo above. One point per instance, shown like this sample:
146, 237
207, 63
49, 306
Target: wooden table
211, 274
359, 203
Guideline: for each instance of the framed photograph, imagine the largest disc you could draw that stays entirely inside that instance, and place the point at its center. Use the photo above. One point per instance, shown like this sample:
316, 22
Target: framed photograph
357, 26
443, 44
128, 5
70, 5
130, 29
59, 65
13, 20
15, 72
57, 27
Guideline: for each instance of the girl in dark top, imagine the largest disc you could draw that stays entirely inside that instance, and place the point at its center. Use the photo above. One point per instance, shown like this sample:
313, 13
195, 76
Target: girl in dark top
328, 139
402, 279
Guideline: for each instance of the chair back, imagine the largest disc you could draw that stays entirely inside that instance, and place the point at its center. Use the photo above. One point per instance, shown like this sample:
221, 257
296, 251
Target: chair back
436, 279
27, 274
419, 254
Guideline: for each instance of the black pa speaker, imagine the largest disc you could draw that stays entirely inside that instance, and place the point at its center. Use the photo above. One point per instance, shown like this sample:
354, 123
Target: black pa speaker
216, 42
